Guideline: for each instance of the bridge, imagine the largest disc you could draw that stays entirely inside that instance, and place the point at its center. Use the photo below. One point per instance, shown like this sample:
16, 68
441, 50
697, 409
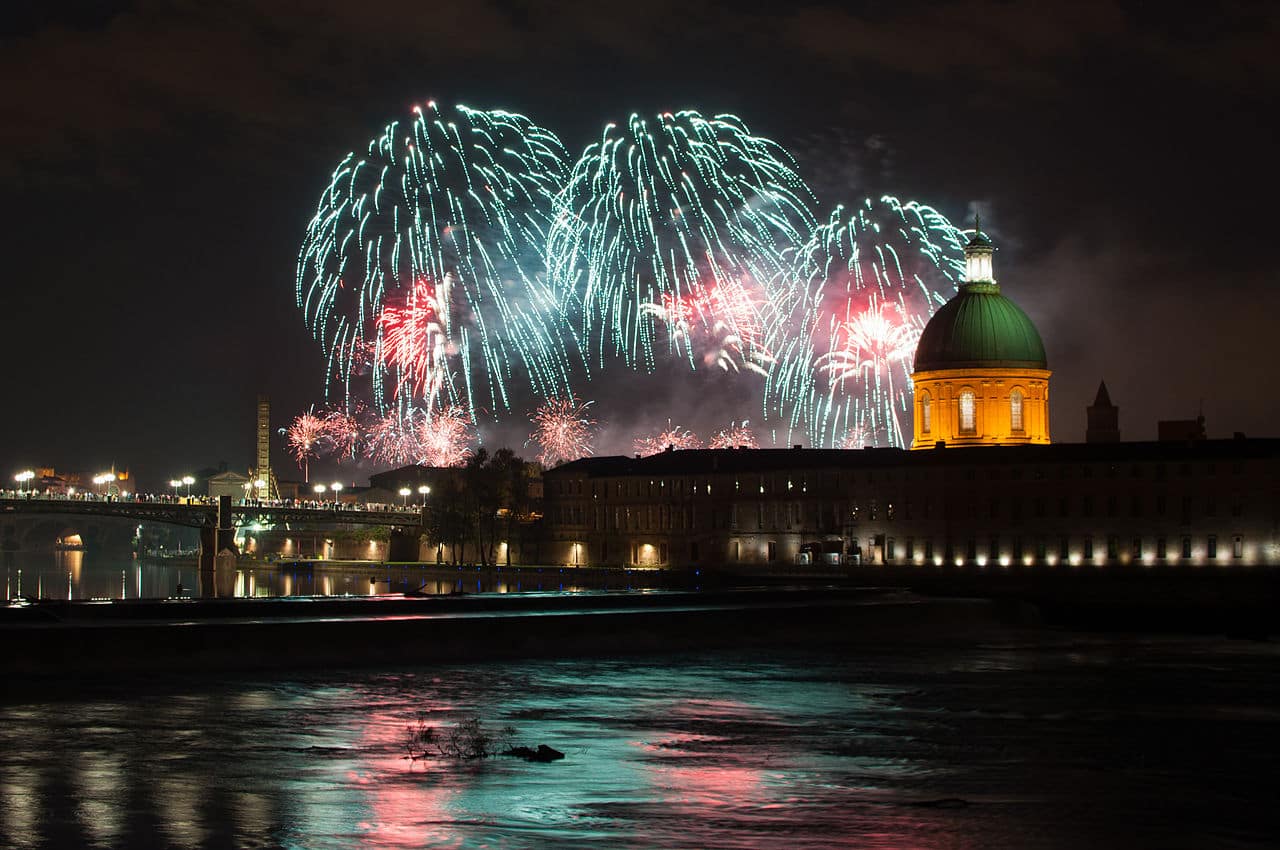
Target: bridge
217, 519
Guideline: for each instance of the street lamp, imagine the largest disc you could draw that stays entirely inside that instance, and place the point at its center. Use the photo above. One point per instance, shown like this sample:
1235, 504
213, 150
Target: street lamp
188, 480
23, 477
423, 491
258, 487
404, 496
104, 481
319, 491
336, 487
175, 483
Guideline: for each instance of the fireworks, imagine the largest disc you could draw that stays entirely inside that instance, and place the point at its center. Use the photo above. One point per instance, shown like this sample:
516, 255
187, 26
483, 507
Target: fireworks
392, 440
343, 434
734, 437
675, 437
444, 437
723, 321
857, 437
681, 207
419, 273
461, 266
303, 439
865, 284
414, 343
562, 428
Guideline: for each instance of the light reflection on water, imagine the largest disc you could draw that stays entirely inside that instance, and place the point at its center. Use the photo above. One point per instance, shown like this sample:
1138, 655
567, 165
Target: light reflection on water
75, 575
1029, 745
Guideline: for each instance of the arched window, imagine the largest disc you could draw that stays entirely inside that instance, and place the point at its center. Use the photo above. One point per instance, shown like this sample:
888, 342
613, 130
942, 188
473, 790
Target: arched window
1015, 411
967, 423
926, 417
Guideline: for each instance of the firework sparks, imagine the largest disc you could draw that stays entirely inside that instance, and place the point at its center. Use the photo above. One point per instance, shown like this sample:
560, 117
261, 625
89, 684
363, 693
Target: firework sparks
392, 440
459, 197
444, 437
303, 439
675, 436
735, 436
562, 428
343, 434
865, 284
461, 261
871, 341
857, 437
661, 210
722, 320
413, 343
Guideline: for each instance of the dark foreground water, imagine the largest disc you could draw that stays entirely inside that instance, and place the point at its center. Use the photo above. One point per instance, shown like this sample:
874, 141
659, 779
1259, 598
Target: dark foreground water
1037, 740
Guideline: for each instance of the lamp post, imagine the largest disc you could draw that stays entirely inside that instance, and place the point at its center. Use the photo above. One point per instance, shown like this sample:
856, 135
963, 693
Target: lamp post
423, 491
404, 496
175, 483
23, 477
319, 491
104, 481
258, 487
336, 487
188, 480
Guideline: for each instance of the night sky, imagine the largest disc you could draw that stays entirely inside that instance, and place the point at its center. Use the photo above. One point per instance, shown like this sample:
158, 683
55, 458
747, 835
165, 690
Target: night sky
160, 161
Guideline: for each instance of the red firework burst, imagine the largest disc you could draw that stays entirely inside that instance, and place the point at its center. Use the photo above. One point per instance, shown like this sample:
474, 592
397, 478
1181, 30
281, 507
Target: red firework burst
414, 342
675, 436
735, 436
563, 429
392, 441
444, 437
343, 434
302, 438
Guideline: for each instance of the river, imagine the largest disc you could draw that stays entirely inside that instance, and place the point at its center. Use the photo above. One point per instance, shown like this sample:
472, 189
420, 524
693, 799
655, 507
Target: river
1040, 739
76, 575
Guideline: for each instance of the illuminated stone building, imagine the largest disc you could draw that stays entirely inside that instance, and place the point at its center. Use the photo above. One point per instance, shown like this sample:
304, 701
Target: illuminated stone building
981, 377
1202, 502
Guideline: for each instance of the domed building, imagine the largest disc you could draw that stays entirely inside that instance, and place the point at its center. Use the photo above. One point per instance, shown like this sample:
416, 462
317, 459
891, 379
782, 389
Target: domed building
981, 377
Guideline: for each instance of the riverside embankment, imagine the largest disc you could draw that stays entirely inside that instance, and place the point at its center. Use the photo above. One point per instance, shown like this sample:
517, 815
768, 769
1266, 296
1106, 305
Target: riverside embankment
61, 639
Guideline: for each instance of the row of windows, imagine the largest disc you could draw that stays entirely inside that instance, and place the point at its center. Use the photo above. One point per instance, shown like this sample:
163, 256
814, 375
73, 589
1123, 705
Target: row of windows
968, 418
636, 487
777, 514
1014, 508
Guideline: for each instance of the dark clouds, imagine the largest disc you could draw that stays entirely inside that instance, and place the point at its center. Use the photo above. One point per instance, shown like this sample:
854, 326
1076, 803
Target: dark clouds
162, 159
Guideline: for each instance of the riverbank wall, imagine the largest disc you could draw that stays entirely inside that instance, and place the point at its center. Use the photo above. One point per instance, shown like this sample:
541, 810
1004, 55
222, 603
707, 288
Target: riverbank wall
57, 641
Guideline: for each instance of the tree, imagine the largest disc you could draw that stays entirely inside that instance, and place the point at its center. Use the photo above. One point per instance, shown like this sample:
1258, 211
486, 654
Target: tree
513, 494
479, 485
448, 521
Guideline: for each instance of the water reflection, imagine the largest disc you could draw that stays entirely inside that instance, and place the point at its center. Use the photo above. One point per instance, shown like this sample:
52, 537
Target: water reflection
952, 747
77, 575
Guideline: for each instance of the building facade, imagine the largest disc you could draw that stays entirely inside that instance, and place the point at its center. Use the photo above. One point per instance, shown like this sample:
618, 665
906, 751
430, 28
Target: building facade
1212, 502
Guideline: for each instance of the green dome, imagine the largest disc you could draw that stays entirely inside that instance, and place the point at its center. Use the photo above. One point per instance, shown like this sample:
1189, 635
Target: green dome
979, 328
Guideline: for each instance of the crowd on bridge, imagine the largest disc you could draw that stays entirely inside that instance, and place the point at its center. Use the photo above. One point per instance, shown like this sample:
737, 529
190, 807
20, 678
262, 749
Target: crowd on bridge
72, 495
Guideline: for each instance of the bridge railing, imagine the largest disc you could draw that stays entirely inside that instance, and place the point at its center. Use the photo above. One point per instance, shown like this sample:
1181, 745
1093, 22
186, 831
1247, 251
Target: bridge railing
199, 511
207, 502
